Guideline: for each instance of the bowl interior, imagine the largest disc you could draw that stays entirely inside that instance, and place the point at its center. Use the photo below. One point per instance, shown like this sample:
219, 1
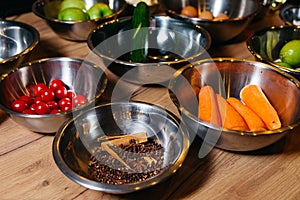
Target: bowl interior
77, 141
15, 38
265, 44
169, 40
234, 9
81, 77
229, 77
291, 15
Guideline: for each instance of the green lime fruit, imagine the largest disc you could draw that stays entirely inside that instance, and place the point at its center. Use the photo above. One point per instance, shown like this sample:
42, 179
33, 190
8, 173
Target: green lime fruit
99, 10
283, 64
290, 53
73, 4
70, 14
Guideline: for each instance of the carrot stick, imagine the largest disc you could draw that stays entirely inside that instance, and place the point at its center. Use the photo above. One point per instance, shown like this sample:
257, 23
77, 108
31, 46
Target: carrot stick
253, 121
230, 117
196, 80
255, 99
208, 108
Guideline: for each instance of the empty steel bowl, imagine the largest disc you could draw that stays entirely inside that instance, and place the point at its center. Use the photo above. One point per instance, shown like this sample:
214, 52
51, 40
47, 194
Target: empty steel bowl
80, 76
265, 45
17, 42
80, 138
290, 15
228, 76
74, 30
240, 13
171, 44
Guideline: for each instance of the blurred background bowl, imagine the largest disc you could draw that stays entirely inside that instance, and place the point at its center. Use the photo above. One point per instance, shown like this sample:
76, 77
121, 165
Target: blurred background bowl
79, 138
266, 44
290, 15
17, 40
75, 30
80, 76
228, 76
172, 43
240, 13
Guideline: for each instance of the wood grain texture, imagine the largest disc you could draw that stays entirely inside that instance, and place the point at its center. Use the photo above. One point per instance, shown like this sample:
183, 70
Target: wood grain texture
28, 171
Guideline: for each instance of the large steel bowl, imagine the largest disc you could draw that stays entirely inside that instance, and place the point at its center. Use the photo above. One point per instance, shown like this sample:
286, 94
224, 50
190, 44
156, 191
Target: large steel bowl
77, 140
80, 76
228, 76
17, 42
240, 12
74, 30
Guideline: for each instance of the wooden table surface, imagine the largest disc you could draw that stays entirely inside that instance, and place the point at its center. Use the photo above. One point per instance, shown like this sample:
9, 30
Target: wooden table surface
28, 171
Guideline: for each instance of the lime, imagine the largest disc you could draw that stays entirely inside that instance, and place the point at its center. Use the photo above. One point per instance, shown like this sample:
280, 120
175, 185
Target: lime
290, 53
72, 14
283, 64
99, 10
73, 4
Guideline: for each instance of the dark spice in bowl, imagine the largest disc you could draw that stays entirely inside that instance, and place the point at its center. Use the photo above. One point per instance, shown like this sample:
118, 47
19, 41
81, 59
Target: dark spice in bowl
141, 161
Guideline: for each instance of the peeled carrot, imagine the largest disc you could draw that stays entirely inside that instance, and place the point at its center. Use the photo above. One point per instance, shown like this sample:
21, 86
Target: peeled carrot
253, 121
256, 100
196, 80
230, 117
208, 108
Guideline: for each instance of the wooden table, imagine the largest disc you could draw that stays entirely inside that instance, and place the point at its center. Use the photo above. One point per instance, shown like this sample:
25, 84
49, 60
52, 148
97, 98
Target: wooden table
28, 171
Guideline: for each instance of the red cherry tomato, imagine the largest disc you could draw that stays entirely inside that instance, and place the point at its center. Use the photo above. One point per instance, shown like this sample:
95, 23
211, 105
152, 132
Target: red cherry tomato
71, 94
30, 89
38, 88
37, 99
25, 98
79, 100
56, 83
29, 111
19, 105
66, 107
55, 110
47, 94
42, 108
61, 92
64, 101
33, 107
52, 105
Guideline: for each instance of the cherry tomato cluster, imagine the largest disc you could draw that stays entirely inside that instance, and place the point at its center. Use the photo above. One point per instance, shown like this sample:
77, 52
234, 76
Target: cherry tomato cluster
51, 99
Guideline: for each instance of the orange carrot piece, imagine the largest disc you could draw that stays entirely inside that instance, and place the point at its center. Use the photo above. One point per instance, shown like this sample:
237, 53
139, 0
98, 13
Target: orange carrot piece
196, 80
230, 117
255, 99
253, 121
208, 108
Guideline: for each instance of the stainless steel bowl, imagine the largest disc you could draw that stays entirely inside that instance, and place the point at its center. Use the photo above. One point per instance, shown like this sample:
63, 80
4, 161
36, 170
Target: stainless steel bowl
17, 42
74, 30
228, 76
77, 140
265, 45
240, 12
290, 15
80, 76
171, 44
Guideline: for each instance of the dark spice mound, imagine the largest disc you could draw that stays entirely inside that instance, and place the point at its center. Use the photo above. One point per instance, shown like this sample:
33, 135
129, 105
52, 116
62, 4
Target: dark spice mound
144, 159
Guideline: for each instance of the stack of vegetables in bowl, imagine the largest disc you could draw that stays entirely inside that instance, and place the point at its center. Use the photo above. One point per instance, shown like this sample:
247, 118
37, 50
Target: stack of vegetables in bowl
237, 105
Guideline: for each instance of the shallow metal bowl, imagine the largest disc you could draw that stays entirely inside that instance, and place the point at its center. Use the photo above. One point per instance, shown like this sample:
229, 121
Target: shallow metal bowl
77, 140
240, 12
265, 45
74, 30
17, 42
228, 76
171, 44
80, 76
290, 15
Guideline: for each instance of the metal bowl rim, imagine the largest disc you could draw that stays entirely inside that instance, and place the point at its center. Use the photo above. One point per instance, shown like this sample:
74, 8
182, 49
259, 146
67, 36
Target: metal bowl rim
51, 59
34, 32
125, 188
252, 63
